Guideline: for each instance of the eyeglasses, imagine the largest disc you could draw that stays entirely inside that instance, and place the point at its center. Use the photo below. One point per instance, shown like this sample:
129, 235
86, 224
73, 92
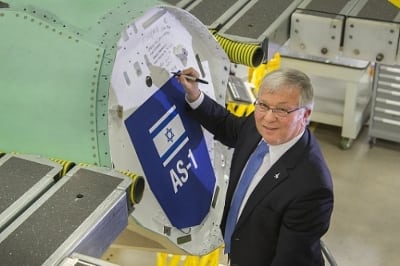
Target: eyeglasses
281, 112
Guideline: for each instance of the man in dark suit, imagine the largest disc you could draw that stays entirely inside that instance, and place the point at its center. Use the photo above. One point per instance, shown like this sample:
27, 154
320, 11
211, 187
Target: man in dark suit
287, 205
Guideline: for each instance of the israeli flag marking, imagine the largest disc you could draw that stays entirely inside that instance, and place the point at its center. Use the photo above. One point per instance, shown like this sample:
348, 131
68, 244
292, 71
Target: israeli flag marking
169, 135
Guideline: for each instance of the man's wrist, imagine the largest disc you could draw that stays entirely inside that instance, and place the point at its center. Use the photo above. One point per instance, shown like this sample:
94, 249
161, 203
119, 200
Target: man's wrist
192, 97
196, 103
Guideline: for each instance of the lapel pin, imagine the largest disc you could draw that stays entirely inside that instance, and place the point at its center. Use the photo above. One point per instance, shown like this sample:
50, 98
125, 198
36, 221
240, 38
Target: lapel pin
277, 175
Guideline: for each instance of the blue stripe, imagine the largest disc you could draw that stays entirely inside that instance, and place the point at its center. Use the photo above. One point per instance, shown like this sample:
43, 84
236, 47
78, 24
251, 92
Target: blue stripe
163, 124
173, 147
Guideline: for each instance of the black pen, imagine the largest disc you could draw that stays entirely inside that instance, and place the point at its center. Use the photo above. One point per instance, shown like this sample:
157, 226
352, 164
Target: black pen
190, 77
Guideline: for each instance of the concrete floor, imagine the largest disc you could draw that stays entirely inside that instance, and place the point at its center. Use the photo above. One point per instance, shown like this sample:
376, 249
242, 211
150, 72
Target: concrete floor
364, 229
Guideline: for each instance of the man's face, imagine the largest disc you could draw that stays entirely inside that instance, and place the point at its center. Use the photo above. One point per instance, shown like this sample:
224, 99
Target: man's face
278, 128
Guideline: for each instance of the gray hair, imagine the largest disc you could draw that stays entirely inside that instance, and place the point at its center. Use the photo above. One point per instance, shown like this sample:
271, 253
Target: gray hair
288, 78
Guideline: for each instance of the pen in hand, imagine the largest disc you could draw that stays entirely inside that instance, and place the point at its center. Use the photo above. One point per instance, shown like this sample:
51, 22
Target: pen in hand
190, 77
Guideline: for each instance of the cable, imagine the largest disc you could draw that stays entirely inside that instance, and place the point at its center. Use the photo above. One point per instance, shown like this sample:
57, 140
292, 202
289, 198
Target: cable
239, 52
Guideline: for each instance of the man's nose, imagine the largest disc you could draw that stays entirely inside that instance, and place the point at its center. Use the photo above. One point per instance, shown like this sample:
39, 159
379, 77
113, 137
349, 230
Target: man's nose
269, 115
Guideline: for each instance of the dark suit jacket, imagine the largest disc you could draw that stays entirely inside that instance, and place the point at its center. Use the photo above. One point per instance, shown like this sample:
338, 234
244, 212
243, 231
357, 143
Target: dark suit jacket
285, 217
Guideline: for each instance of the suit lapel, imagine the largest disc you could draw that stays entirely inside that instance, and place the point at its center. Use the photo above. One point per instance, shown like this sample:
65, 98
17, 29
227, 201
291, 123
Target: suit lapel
275, 176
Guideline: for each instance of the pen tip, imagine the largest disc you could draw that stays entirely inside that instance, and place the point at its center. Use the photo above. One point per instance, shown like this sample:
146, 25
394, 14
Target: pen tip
175, 73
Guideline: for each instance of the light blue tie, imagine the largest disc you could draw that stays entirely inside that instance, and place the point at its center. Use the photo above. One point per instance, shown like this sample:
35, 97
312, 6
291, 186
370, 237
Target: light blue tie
253, 164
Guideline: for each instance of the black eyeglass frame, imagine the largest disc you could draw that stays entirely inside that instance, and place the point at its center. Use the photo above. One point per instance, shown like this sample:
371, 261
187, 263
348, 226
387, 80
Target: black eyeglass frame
277, 111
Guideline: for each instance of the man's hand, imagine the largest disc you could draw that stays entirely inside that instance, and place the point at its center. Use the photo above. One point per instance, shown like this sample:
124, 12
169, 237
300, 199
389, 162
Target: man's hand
191, 87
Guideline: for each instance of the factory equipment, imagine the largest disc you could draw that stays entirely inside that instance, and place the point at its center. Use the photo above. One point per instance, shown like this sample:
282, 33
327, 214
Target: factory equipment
322, 38
352, 36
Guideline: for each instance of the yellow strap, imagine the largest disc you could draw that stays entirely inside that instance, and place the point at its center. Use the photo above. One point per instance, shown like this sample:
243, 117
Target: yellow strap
211, 259
395, 2
239, 109
67, 165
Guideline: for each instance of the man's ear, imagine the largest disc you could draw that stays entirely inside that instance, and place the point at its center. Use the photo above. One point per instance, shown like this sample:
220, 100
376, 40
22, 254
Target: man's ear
306, 115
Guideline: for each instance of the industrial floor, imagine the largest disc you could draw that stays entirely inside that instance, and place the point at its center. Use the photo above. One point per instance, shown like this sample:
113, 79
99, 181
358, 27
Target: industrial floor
366, 219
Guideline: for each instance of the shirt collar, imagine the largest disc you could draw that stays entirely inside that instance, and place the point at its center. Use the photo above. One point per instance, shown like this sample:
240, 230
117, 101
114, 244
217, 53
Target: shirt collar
276, 151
